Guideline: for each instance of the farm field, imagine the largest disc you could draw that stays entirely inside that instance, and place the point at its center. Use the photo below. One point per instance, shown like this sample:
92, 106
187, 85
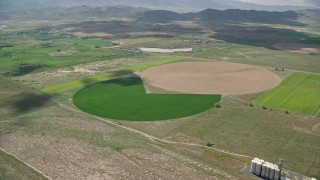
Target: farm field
238, 127
80, 83
76, 101
210, 78
126, 99
23, 56
240, 53
299, 93
63, 137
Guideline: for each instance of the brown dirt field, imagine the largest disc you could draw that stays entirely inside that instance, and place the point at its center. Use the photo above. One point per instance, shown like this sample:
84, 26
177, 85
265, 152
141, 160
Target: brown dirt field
63, 53
98, 34
79, 70
297, 47
211, 78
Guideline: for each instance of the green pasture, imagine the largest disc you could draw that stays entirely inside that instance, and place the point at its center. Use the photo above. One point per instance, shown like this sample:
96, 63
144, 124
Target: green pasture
126, 99
88, 42
13, 54
299, 93
80, 83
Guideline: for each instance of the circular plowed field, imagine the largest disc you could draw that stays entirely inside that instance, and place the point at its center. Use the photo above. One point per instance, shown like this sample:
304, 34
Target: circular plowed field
211, 78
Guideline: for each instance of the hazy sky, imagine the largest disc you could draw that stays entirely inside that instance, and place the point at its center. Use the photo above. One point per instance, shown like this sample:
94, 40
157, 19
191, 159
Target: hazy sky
286, 2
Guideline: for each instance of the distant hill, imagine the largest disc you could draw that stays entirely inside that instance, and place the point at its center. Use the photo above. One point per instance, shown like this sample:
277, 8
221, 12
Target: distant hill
148, 15
236, 15
75, 12
176, 5
181, 5
251, 6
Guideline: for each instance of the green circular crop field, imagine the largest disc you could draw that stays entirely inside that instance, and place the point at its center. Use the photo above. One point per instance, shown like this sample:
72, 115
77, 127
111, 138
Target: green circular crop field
125, 99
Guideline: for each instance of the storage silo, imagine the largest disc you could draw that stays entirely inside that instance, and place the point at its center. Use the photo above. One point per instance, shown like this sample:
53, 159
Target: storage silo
267, 170
263, 170
258, 168
253, 166
260, 160
276, 173
272, 171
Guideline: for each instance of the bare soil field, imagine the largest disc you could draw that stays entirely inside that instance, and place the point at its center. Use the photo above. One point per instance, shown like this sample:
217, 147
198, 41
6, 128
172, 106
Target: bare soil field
298, 47
158, 50
211, 78
79, 70
96, 35
63, 53
62, 158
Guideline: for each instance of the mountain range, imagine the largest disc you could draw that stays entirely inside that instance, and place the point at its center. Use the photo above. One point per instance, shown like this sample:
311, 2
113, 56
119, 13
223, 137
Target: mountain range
213, 15
176, 5
149, 15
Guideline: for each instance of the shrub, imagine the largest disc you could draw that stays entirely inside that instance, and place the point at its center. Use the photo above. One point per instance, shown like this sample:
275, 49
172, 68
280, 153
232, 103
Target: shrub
210, 144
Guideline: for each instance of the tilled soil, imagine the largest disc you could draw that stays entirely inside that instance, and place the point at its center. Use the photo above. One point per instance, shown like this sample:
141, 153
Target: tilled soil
211, 78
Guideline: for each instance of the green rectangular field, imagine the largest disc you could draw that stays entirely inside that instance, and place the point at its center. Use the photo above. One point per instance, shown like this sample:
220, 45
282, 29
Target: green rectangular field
299, 93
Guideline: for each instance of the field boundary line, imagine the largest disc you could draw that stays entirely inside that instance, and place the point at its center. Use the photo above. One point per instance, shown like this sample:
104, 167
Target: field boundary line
263, 94
25, 163
303, 130
280, 109
318, 113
